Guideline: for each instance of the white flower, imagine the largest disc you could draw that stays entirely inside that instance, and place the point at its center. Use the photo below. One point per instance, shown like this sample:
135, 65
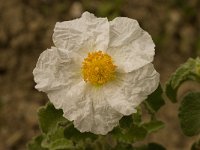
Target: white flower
98, 71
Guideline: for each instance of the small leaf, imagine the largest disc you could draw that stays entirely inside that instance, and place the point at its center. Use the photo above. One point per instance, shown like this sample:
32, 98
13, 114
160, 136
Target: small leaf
137, 117
155, 100
58, 133
126, 121
55, 139
123, 146
61, 144
189, 114
188, 71
35, 144
153, 126
49, 117
130, 135
138, 133
72, 133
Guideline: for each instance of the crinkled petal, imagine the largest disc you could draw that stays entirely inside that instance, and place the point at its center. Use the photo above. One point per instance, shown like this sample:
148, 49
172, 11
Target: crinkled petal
52, 72
84, 34
87, 107
66, 95
130, 46
131, 89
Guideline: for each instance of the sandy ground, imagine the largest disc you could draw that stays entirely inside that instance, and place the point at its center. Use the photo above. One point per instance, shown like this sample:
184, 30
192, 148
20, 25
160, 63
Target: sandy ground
26, 28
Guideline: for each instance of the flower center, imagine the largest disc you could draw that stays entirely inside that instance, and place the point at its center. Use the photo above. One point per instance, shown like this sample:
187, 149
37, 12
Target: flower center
98, 68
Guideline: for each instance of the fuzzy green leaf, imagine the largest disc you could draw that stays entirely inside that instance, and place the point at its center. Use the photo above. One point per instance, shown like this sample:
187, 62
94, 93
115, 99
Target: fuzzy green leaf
35, 144
137, 117
130, 135
123, 146
72, 133
153, 126
126, 121
61, 144
138, 133
188, 71
55, 139
189, 114
49, 117
155, 100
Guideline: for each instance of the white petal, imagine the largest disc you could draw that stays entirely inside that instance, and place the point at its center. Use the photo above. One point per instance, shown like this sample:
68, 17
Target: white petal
123, 31
52, 72
89, 110
83, 34
132, 89
66, 95
130, 46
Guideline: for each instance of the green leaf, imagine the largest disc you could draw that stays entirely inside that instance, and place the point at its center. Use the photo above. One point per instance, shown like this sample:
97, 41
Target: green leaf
153, 126
189, 114
55, 139
56, 134
123, 146
188, 71
126, 121
61, 144
72, 133
138, 133
53, 124
49, 117
137, 117
155, 101
131, 130
130, 135
35, 144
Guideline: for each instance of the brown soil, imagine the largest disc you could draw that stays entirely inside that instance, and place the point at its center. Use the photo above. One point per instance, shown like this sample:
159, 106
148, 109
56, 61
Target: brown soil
26, 28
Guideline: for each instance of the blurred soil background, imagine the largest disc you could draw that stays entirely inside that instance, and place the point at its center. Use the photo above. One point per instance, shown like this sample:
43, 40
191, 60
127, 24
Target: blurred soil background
26, 28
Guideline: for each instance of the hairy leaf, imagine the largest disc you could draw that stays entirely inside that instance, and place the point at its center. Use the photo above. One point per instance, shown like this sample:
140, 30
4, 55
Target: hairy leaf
189, 114
123, 146
153, 126
188, 71
61, 144
137, 117
55, 139
126, 121
72, 133
49, 117
35, 144
130, 135
155, 101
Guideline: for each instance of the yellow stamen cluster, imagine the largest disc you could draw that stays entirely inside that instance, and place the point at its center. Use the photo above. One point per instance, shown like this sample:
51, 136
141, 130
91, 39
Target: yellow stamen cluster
98, 68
